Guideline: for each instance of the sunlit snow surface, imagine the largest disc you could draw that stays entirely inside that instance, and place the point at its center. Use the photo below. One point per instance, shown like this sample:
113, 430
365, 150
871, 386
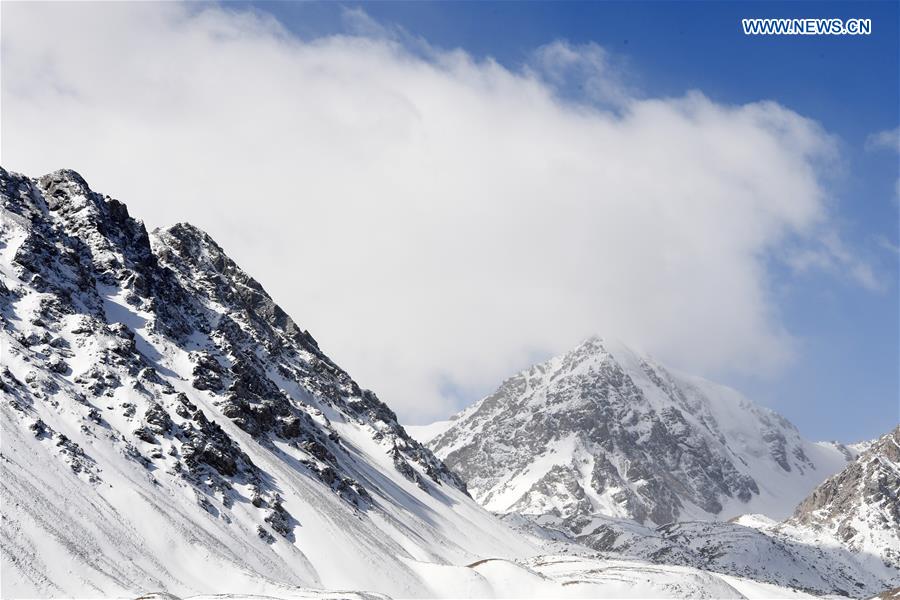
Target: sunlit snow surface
561, 577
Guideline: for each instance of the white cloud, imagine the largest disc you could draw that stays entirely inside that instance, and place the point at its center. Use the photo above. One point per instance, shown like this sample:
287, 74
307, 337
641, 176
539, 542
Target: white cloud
889, 139
888, 245
588, 68
435, 221
831, 254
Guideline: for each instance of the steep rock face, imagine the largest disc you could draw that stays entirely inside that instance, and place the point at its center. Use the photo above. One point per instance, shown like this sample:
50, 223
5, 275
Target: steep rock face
602, 430
157, 404
860, 506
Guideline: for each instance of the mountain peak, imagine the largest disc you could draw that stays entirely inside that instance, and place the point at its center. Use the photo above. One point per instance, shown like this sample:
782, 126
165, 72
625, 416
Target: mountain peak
66, 190
602, 430
69, 176
191, 236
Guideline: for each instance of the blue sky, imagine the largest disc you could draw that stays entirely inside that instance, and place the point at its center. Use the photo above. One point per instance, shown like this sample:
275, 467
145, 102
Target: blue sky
850, 350
448, 257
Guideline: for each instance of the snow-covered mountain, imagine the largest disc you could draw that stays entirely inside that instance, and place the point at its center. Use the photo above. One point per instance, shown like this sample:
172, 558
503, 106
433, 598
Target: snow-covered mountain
604, 431
860, 506
165, 425
606, 449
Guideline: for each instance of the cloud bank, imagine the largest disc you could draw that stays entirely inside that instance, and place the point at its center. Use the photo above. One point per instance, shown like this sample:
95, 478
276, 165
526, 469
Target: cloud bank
436, 221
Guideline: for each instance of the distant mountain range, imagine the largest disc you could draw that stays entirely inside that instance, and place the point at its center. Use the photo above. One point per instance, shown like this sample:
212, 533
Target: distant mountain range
604, 430
610, 449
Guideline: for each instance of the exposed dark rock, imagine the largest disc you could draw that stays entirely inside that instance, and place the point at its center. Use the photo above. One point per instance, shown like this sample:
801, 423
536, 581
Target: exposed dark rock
157, 419
39, 428
264, 535
280, 520
145, 435
207, 372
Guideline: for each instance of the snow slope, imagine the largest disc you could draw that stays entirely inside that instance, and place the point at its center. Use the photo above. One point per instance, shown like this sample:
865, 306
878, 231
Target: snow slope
605, 431
560, 576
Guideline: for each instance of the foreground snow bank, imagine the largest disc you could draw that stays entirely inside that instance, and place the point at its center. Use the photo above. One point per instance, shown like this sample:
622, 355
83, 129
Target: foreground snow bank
556, 577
